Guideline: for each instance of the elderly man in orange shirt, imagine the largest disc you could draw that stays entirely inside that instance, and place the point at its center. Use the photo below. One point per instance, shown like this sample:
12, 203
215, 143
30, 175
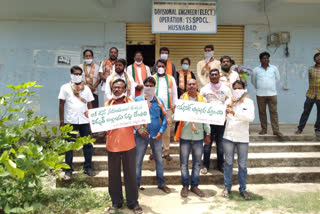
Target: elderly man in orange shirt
121, 147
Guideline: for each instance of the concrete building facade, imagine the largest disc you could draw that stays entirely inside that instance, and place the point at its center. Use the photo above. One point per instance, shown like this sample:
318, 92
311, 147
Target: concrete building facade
35, 33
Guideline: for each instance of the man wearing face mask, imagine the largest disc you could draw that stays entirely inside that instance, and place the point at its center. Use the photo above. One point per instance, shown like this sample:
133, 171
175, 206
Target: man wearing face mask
239, 112
170, 67
227, 76
120, 74
91, 75
152, 133
184, 75
107, 67
121, 148
74, 101
209, 63
139, 72
215, 92
167, 91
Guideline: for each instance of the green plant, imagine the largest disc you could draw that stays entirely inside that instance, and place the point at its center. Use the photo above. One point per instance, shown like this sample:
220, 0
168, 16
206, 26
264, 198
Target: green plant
28, 150
77, 198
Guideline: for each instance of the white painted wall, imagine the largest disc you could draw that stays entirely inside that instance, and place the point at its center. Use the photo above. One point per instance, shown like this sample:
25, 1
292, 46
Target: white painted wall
34, 32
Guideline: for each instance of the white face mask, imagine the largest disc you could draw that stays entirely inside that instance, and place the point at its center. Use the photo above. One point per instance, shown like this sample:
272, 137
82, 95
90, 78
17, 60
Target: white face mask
164, 56
138, 63
117, 97
237, 94
160, 70
149, 93
208, 55
185, 67
88, 61
76, 78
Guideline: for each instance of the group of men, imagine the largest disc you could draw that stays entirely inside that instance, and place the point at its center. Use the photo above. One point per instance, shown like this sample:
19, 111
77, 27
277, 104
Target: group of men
161, 87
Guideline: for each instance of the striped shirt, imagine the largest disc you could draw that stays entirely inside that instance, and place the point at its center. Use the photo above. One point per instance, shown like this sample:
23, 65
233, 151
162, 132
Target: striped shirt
314, 83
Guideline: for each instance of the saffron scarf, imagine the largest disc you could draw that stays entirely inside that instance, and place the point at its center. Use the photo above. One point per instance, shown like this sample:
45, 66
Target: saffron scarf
135, 75
206, 68
235, 102
181, 78
107, 66
112, 101
76, 90
144, 126
89, 75
226, 74
169, 86
169, 67
185, 96
128, 82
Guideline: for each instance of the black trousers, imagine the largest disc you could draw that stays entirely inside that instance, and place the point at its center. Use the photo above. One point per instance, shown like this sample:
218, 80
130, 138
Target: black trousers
128, 159
84, 130
308, 104
217, 134
95, 102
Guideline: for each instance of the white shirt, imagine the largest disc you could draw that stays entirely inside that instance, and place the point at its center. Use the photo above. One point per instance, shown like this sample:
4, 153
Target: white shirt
140, 81
163, 91
237, 126
232, 78
96, 76
103, 85
108, 91
223, 96
265, 80
74, 108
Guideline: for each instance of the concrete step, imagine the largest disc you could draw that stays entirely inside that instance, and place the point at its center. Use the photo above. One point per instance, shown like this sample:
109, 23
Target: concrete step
265, 175
263, 138
289, 159
269, 147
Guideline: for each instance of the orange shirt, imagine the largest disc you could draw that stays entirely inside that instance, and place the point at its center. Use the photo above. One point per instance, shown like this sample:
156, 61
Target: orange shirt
122, 139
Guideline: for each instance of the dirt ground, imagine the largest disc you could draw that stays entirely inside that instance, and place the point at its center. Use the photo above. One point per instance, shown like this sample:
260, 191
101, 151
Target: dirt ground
154, 201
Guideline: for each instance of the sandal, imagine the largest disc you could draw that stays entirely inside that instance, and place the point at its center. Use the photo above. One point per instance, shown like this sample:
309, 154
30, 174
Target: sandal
137, 210
245, 195
225, 192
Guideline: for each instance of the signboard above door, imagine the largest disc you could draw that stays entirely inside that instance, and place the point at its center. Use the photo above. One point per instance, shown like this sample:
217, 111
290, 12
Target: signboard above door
184, 17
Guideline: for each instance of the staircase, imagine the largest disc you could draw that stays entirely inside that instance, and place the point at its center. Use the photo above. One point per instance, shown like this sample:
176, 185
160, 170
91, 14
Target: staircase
291, 159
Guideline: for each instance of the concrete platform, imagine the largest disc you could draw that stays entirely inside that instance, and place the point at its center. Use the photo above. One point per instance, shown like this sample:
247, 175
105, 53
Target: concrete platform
287, 129
290, 159
267, 175
254, 147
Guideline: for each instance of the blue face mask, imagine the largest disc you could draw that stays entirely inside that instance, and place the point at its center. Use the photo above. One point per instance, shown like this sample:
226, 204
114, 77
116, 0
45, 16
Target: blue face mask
185, 67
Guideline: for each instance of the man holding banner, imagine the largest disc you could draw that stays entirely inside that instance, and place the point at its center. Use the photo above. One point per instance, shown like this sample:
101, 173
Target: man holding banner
152, 132
121, 148
191, 137
218, 93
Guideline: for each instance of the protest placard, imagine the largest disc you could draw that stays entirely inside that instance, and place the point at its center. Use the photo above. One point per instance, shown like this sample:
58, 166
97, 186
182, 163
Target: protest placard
210, 113
119, 116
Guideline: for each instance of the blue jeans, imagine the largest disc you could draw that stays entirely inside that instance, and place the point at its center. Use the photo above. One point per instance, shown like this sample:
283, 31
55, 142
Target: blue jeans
217, 133
196, 146
141, 148
83, 130
242, 148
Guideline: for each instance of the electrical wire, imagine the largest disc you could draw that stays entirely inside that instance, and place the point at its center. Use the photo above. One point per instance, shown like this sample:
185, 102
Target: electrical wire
265, 13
